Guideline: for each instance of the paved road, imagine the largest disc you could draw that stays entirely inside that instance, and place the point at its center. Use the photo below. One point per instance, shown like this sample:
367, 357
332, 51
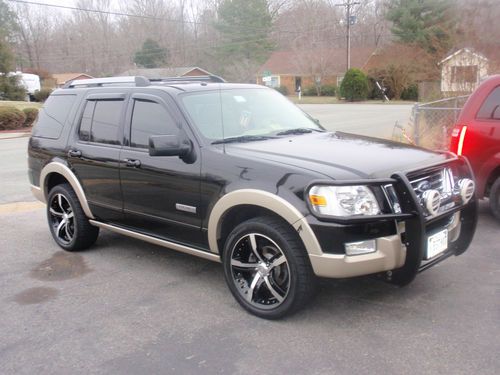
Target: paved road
130, 307
375, 120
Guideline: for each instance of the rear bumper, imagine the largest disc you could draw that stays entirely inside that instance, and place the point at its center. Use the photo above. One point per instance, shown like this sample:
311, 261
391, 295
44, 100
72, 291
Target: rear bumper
37, 193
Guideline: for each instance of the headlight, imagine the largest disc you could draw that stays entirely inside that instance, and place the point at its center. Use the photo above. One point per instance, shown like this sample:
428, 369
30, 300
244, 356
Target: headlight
343, 200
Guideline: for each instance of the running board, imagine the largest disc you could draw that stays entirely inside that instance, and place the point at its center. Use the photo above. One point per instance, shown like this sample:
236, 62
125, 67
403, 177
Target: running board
158, 241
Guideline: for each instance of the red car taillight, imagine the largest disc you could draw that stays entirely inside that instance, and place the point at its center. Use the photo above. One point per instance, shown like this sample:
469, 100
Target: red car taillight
458, 138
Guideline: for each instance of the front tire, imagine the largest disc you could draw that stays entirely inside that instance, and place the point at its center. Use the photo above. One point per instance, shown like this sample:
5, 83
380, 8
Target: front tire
495, 198
267, 268
68, 224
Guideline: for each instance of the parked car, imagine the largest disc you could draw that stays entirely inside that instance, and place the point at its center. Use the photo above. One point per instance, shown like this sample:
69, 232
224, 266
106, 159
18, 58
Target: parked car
235, 173
31, 83
477, 136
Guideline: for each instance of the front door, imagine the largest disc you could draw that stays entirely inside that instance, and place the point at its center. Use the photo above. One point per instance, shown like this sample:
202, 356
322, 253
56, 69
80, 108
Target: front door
161, 194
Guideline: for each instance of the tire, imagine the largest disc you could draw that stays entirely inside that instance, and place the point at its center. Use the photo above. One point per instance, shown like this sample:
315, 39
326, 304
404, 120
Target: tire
267, 268
495, 198
68, 224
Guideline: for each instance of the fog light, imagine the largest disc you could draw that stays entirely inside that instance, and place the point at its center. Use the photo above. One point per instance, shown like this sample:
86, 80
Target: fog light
466, 188
359, 248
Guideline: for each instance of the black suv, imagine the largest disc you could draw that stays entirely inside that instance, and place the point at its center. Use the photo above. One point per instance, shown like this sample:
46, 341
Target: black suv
237, 174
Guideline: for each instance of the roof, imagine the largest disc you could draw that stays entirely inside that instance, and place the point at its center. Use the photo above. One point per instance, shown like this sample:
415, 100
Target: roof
62, 78
309, 62
163, 72
463, 50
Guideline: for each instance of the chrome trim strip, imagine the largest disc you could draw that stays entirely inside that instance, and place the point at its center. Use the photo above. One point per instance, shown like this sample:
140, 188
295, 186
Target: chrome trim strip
185, 208
56, 167
266, 200
158, 241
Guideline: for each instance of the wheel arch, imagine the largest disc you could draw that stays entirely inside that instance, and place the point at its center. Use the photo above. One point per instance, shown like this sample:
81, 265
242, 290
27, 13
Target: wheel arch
54, 173
256, 202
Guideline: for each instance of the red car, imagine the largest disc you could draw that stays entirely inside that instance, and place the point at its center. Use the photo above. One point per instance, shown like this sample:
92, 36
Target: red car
477, 136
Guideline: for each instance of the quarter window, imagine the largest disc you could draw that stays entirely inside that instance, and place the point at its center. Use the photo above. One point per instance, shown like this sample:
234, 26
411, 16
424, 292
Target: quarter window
149, 118
491, 106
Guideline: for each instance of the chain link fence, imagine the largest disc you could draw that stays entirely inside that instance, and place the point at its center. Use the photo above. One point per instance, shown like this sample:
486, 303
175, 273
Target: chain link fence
431, 123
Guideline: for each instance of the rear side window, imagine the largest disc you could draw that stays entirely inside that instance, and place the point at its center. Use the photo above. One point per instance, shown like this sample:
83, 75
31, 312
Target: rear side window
150, 118
101, 121
53, 116
490, 109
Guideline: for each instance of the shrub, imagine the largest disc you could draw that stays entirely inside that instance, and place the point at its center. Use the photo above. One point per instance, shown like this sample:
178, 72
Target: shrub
31, 114
10, 89
354, 85
282, 89
328, 90
410, 93
11, 118
42, 95
309, 91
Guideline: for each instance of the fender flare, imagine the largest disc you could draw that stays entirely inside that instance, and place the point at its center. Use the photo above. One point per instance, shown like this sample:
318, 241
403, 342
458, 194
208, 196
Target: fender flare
59, 168
263, 199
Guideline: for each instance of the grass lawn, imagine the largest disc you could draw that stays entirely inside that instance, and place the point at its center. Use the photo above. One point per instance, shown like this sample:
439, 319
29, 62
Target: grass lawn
20, 105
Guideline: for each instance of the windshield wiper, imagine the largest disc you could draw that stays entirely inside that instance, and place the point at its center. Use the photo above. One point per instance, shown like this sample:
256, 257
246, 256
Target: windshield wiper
242, 138
298, 131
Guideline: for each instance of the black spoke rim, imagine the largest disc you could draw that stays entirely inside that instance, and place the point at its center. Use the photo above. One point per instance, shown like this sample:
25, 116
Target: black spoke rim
260, 271
62, 218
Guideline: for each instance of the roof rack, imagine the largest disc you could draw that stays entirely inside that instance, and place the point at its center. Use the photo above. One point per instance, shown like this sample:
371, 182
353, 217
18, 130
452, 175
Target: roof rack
138, 81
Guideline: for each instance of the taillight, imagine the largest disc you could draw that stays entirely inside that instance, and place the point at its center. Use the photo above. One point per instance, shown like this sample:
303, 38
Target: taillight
458, 138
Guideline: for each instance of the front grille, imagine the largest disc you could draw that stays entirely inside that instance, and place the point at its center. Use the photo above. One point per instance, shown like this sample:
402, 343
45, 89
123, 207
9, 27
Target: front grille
440, 180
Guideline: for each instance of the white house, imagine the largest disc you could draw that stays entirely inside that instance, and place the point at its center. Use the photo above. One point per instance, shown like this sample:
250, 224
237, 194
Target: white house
462, 71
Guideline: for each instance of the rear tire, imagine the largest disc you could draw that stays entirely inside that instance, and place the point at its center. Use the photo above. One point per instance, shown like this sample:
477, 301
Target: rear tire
267, 268
495, 198
68, 224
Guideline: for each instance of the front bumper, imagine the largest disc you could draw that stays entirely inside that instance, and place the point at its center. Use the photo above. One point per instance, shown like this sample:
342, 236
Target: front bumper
403, 251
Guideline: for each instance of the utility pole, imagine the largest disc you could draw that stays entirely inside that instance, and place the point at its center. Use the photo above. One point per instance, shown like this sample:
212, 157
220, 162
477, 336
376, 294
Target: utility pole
348, 4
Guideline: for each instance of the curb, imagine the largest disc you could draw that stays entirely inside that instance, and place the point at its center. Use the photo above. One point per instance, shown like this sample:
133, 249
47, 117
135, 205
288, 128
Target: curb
14, 135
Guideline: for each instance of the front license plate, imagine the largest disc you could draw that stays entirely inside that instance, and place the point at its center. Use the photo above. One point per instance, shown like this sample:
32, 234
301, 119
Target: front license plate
437, 243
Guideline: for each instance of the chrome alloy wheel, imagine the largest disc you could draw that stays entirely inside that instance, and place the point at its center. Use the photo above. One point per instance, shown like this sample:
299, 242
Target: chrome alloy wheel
260, 271
62, 218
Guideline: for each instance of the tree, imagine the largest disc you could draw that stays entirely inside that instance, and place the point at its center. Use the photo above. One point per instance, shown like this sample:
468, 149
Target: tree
9, 85
428, 23
244, 27
151, 55
354, 86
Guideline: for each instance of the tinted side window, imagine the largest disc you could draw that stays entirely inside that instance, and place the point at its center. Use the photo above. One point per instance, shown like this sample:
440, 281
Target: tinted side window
149, 118
106, 121
53, 115
490, 107
86, 122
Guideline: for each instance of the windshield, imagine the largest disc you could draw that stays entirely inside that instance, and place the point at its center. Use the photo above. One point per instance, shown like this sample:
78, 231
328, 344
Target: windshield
245, 112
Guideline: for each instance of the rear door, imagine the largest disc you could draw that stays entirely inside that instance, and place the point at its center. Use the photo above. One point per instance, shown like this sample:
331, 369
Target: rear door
486, 135
161, 194
94, 154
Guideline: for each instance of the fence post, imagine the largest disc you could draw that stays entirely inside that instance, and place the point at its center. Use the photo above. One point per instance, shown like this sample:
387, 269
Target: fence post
416, 127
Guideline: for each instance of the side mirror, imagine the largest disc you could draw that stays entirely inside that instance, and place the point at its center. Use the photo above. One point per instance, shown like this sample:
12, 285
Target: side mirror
169, 145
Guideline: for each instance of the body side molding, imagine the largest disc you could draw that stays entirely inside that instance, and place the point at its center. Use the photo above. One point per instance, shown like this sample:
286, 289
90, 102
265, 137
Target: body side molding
263, 199
56, 167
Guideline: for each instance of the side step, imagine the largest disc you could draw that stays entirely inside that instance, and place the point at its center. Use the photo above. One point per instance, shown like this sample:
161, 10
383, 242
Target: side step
157, 241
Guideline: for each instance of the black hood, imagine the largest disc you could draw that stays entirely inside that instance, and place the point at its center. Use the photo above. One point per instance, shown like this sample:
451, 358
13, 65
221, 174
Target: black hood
339, 155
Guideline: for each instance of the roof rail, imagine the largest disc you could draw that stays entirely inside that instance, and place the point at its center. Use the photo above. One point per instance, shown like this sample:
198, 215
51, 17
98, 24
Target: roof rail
138, 81
206, 78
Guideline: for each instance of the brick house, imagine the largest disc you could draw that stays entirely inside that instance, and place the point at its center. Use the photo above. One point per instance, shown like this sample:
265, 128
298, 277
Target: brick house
306, 68
61, 78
